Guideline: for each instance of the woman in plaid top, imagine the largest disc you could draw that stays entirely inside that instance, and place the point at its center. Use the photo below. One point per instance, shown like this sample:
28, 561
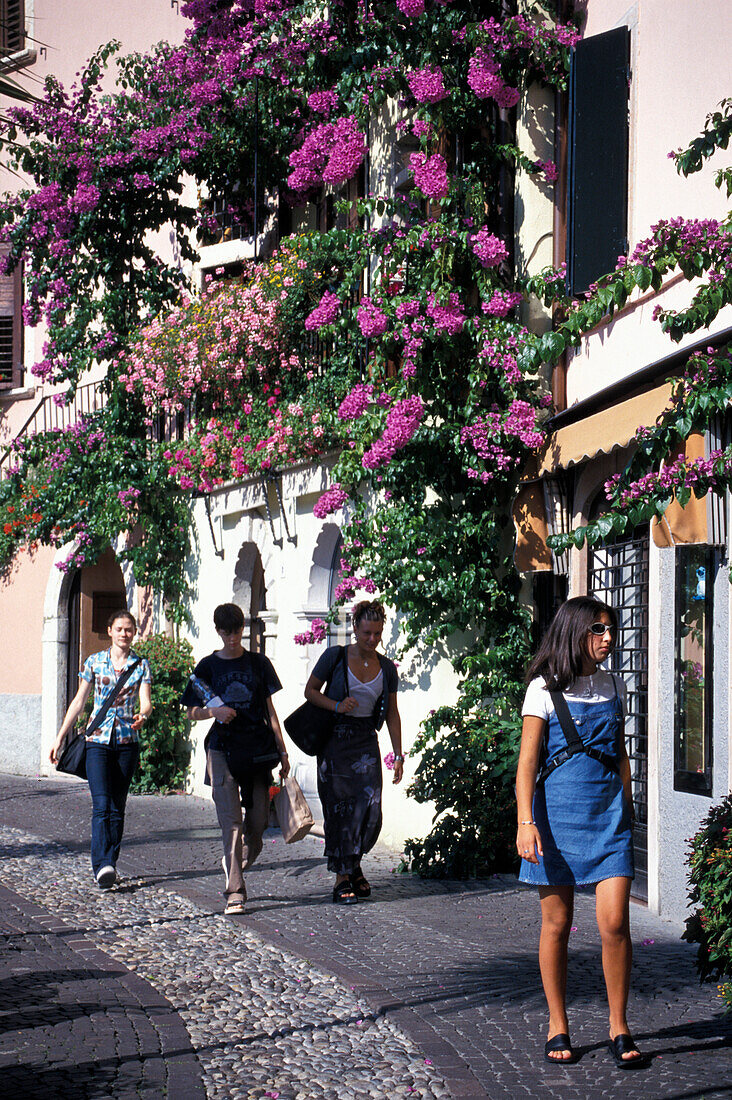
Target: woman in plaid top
112, 749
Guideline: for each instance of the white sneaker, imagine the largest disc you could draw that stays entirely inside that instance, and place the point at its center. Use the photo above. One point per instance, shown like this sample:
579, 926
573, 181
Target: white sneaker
106, 877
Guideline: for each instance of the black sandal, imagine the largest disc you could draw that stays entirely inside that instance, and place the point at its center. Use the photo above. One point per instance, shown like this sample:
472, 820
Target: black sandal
343, 893
361, 886
624, 1044
557, 1043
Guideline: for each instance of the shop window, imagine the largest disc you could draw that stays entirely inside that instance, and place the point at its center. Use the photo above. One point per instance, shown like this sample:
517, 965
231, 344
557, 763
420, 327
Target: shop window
597, 195
695, 573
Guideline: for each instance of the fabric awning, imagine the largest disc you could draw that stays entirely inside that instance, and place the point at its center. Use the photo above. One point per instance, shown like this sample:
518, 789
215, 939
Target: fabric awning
689, 524
602, 432
532, 555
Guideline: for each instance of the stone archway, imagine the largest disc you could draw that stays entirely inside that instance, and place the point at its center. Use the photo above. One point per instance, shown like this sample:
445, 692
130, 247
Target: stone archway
76, 608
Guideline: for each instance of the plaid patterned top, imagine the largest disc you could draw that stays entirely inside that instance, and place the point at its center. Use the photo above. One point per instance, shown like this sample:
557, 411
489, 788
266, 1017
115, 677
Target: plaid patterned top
99, 670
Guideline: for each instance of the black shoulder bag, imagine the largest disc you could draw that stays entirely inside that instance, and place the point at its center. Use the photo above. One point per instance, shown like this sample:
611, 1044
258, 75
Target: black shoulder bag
72, 760
310, 727
575, 743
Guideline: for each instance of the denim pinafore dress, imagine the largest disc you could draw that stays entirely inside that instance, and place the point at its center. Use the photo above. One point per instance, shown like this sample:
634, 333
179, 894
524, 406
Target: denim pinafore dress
580, 809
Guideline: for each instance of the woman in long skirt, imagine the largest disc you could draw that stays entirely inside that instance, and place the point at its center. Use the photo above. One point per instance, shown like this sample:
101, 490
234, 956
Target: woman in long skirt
361, 691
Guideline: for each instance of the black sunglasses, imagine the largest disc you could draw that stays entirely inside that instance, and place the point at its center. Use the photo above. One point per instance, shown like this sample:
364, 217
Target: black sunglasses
600, 629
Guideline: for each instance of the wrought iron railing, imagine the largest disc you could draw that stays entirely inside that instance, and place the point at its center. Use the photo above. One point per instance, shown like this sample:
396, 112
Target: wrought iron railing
49, 416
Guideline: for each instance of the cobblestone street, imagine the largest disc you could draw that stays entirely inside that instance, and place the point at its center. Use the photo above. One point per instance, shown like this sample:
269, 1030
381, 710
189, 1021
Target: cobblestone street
430, 989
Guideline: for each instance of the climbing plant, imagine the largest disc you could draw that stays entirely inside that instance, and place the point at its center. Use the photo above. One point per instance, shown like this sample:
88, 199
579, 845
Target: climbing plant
393, 340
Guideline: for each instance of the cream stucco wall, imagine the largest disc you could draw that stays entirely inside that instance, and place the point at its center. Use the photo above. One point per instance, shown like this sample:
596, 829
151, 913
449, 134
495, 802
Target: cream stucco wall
296, 578
680, 72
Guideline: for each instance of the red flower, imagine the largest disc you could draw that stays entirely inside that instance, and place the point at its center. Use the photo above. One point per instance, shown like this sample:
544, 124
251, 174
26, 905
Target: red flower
7, 528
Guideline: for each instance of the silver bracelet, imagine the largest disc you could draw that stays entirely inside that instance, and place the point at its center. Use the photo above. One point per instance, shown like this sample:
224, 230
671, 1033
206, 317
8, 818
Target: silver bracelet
527, 823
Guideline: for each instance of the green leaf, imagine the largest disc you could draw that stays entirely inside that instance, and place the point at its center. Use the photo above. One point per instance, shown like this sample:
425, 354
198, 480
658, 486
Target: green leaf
643, 276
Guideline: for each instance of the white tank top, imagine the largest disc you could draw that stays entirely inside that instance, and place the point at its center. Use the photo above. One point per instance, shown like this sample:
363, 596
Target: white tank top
365, 695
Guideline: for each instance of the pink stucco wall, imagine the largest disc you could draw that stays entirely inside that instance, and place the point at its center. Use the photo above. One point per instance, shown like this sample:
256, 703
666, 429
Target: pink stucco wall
67, 32
22, 597
74, 29
680, 72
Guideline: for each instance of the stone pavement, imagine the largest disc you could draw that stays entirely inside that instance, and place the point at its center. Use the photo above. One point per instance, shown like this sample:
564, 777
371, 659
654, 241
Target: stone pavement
429, 989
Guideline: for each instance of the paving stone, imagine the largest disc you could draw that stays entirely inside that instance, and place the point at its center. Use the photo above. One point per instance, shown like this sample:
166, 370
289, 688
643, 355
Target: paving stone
443, 975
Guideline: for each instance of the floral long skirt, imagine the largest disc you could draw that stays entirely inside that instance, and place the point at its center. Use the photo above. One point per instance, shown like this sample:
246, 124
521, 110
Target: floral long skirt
349, 785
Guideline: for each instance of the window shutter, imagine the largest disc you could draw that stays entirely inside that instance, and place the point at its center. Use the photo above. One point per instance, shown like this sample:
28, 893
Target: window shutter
598, 157
12, 26
11, 327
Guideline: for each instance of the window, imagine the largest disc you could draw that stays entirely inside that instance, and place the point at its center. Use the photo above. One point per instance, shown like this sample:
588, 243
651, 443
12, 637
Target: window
597, 190
11, 327
105, 604
12, 26
695, 574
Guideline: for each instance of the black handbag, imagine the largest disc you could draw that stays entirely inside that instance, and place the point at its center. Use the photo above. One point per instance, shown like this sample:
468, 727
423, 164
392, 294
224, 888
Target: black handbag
72, 760
310, 727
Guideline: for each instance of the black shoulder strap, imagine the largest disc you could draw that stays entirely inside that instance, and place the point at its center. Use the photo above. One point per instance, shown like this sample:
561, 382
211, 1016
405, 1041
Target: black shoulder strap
344, 658
102, 712
565, 720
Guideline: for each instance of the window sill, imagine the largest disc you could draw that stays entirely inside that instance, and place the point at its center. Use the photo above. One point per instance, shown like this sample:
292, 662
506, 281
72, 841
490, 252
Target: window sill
19, 393
18, 60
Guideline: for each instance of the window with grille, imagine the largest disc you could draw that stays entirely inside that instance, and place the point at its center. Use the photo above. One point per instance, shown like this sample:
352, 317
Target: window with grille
11, 327
12, 26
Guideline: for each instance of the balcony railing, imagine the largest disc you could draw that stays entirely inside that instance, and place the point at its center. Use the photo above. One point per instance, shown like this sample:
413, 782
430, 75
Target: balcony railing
47, 416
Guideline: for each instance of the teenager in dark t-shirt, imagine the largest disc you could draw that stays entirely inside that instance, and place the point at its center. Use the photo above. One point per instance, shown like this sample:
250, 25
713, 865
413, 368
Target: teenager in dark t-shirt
235, 688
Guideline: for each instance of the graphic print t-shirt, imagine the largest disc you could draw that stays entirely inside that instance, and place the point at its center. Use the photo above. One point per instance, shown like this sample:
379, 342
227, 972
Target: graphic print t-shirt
243, 683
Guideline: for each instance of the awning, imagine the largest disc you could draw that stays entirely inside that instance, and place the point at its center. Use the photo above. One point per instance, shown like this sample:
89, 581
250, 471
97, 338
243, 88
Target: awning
532, 555
603, 432
689, 524
700, 521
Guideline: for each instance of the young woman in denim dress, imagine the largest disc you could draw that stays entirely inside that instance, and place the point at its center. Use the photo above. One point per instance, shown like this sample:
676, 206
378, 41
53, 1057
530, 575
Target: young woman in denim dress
574, 822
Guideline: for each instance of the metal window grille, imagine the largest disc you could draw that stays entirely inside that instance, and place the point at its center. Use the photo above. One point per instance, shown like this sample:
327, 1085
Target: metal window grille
618, 574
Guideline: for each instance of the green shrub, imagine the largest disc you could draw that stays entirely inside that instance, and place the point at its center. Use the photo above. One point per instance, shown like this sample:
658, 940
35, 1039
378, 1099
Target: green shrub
467, 769
710, 878
164, 742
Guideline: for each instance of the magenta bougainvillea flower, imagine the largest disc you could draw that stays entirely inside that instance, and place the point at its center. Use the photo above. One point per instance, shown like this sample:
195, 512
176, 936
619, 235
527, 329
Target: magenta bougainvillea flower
427, 84
324, 313
371, 320
430, 175
490, 250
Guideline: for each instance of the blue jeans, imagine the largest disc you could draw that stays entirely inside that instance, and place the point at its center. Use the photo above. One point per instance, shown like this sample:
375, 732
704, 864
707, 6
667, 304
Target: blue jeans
109, 770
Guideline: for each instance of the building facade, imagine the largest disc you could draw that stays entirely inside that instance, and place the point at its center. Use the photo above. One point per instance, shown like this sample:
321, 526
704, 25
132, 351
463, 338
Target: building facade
258, 541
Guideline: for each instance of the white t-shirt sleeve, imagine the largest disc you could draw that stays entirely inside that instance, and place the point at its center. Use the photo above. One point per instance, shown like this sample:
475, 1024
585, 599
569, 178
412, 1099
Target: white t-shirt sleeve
537, 701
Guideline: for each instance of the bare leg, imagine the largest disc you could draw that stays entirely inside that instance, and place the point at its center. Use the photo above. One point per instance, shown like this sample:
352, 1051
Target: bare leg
557, 907
612, 901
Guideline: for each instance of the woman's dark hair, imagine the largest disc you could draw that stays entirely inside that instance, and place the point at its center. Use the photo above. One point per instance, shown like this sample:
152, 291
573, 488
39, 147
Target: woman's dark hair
560, 657
372, 610
123, 613
228, 617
